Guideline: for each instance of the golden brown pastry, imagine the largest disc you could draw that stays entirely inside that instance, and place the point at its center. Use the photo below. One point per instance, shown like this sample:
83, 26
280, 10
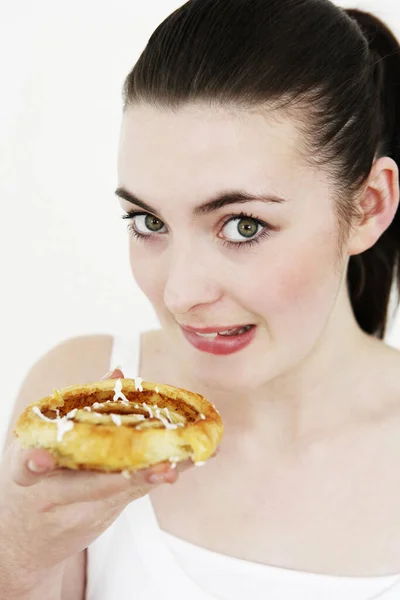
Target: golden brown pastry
123, 424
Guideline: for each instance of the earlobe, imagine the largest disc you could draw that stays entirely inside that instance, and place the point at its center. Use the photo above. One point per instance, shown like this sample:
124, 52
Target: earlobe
378, 205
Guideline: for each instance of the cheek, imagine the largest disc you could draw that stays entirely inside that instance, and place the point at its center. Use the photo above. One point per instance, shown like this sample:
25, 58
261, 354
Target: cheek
297, 290
147, 272
292, 291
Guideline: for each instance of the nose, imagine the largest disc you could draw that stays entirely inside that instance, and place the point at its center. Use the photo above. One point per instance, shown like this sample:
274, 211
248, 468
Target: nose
192, 280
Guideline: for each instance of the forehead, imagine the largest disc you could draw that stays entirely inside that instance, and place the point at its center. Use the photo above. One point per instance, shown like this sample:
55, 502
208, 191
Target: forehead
197, 149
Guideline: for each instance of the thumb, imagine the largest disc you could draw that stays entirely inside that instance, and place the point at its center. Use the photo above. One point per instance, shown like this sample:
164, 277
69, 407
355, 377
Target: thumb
28, 467
113, 374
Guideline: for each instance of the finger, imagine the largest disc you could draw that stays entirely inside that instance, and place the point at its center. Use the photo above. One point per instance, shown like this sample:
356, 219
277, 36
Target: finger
113, 374
28, 467
69, 486
159, 474
182, 466
167, 471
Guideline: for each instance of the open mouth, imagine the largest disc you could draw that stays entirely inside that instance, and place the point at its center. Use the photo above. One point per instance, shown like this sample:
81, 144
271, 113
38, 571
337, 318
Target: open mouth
227, 333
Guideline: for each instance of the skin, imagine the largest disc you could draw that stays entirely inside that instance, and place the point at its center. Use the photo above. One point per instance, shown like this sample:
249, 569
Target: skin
62, 509
311, 408
311, 400
292, 284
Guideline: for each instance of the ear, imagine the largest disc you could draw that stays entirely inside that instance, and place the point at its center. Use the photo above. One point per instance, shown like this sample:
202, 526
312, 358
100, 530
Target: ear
378, 204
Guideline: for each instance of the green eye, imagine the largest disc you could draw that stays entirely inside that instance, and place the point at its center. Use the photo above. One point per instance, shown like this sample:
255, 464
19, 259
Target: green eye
238, 228
152, 223
239, 231
247, 227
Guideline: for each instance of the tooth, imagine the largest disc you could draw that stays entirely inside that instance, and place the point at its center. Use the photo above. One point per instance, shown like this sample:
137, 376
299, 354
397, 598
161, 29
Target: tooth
208, 335
237, 330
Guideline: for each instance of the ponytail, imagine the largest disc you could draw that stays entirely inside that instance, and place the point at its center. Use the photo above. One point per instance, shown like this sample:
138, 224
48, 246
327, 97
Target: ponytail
373, 274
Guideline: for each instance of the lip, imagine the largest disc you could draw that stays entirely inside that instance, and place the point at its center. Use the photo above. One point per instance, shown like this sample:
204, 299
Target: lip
219, 345
216, 329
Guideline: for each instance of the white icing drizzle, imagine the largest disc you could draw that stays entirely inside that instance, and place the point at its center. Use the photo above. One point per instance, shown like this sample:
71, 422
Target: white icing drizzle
202, 416
157, 390
62, 427
63, 424
38, 412
147, 407
138, 383
173, 460
72, 413
168, 415
118, 393
116, 419
164, 420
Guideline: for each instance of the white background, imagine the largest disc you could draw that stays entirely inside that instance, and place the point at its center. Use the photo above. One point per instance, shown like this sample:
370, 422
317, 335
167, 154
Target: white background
64, 266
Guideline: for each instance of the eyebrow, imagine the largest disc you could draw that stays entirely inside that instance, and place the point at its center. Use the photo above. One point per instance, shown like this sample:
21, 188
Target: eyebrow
215, 203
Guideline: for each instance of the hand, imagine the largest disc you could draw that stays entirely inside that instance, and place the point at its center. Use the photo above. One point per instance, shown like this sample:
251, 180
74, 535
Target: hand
48, 514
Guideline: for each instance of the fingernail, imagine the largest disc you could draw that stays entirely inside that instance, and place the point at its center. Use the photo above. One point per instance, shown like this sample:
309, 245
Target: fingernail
34, 467
107, 376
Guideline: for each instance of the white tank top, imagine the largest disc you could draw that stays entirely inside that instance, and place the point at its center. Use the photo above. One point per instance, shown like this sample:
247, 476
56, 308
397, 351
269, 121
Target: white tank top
135, 560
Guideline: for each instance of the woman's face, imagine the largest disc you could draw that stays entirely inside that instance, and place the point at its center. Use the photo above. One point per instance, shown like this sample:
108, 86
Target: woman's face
264, 263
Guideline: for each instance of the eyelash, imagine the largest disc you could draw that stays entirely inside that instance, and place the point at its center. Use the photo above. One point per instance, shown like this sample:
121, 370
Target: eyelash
250, 242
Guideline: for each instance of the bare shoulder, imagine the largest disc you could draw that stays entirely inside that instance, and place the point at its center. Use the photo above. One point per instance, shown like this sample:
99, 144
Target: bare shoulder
79, 359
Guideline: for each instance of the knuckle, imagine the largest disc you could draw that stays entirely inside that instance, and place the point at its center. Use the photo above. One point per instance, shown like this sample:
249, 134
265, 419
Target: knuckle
46, 505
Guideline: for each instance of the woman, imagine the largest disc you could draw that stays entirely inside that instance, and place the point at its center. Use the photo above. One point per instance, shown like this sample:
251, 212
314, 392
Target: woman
258, 172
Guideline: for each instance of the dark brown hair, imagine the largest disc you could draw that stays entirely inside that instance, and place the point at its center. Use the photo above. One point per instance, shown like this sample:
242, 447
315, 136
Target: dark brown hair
340, 66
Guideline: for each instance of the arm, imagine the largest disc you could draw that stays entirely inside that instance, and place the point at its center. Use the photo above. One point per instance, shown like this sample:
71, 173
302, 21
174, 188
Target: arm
74, 360
74, 578
20, 588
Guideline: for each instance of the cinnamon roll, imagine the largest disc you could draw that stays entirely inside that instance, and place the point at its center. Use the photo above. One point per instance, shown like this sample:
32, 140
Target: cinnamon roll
121, 425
